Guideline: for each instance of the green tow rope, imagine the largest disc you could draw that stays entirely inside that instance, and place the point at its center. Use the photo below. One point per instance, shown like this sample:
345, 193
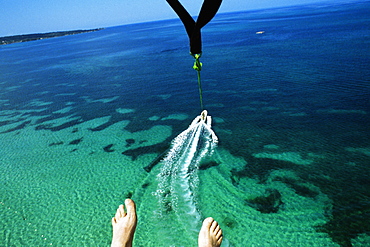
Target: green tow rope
198, 67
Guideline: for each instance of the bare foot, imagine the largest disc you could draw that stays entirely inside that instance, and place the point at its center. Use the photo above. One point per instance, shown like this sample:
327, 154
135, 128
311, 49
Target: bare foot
124, 225
210, 234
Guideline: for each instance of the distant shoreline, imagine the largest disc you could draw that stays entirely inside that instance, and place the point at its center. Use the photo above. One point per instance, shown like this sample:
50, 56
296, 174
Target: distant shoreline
37, 36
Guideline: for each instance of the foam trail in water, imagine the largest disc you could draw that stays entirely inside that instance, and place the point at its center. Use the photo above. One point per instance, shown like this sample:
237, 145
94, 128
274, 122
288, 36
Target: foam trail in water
178, 179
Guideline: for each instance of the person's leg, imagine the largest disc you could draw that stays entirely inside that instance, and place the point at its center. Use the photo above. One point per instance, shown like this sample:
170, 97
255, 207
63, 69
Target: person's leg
210, 234
124, 225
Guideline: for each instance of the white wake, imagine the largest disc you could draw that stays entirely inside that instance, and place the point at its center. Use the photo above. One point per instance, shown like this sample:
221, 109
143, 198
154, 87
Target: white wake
178, 179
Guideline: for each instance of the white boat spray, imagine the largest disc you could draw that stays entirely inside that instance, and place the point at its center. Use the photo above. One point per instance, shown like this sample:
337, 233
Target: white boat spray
168, 209
178, 179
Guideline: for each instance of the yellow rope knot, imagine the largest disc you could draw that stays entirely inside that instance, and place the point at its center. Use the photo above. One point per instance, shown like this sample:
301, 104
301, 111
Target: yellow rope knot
197, 64
198, 67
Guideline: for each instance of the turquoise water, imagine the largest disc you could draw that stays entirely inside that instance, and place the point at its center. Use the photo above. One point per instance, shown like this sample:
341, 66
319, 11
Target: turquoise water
81, 117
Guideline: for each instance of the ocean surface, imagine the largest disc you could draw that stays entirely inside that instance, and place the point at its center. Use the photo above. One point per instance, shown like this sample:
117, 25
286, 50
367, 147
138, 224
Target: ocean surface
288, 90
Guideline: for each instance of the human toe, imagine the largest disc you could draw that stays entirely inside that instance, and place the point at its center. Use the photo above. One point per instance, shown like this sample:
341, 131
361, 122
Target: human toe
207, 223
130, 207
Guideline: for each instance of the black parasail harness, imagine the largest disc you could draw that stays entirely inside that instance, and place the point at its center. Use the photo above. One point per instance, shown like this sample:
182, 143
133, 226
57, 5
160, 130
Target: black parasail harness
193, 29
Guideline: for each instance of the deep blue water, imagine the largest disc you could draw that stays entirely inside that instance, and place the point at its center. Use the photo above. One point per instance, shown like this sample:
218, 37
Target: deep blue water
294, 99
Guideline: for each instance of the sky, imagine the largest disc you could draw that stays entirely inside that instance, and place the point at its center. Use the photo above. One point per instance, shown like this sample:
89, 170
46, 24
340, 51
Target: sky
40, 16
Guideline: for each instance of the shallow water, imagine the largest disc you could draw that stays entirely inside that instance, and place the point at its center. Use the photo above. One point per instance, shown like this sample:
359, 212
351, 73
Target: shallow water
81, 117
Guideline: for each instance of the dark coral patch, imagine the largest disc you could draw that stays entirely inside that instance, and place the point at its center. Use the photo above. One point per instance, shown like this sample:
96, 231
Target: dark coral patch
19, 127
59, 127
229, 222
298, 187
207, 165
144, 186
75, 142
268, 203
129, 142
260, 168
108, 148
161, 148
128, 194
143, 141
352, 223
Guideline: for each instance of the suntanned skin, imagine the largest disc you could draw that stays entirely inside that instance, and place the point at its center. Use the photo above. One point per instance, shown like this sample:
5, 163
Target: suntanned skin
125, 221
124, 225
210, 234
